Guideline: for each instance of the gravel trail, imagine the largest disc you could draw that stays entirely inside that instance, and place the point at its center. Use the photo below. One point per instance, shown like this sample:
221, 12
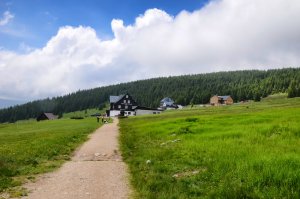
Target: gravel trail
96, 171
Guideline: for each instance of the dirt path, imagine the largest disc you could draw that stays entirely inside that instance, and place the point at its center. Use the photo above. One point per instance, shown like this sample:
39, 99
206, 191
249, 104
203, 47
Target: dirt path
96, 171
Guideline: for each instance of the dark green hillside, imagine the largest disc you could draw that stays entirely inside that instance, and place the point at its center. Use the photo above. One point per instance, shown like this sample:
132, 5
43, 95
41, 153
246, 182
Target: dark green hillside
187, 89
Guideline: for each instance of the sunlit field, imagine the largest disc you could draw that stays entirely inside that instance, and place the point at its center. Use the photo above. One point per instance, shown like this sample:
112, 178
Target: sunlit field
248, 150
29, 147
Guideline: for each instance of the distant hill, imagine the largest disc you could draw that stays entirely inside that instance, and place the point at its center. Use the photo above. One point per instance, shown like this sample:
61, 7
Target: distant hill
187, 89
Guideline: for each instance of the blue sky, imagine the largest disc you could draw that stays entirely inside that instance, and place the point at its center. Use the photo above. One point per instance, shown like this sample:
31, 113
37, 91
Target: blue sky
36, 21
52, 48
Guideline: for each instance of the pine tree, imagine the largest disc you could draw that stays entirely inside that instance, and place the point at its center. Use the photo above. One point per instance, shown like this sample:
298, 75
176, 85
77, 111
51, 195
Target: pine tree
294, 89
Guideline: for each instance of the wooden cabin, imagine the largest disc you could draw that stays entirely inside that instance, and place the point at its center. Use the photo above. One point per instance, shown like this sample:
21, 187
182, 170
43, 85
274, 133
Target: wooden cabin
220, 100
46, 116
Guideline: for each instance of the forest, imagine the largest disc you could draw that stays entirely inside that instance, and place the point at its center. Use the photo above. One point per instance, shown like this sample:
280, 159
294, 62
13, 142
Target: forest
185, 90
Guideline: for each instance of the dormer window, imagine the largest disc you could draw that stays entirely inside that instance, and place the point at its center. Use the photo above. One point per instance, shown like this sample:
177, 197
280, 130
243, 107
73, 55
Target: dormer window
126, 96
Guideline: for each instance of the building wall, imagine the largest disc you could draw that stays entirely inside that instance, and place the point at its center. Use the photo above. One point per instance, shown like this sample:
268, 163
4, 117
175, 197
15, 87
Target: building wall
214, 100
113, 113
146, 112
129, 113
229, 101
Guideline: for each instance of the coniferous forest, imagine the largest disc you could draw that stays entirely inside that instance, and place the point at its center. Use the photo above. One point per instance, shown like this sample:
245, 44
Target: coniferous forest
187, 89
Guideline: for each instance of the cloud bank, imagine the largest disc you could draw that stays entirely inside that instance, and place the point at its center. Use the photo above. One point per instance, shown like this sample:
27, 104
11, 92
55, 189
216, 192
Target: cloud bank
223, 35
6, 18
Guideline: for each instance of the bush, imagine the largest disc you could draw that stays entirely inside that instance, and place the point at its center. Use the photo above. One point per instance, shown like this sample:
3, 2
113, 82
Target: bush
191, 119
76, 117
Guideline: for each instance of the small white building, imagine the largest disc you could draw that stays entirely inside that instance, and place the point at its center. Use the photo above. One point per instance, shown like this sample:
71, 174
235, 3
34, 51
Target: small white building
146, 111
166, 102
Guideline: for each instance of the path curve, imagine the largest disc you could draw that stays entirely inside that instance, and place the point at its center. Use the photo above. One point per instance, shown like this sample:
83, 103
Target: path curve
95, 171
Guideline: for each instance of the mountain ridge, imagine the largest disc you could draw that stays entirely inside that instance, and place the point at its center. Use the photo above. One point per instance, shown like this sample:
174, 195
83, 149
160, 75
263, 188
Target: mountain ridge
184, 89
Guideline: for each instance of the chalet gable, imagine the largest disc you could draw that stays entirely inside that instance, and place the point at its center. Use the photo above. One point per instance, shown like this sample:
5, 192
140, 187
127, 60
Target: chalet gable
122, 102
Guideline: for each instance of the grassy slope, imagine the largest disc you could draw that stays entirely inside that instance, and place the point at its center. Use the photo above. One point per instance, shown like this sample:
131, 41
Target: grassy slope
31, 147
248, 150
85, 113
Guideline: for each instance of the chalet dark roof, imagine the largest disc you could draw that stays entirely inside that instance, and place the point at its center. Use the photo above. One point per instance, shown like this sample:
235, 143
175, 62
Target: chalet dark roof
114, 99
50, 116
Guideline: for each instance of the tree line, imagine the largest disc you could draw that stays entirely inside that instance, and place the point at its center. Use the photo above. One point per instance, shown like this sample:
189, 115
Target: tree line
186, 89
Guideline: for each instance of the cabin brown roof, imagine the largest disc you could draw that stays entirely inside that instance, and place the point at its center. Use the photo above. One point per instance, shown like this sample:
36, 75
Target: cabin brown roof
50, 116
46, 116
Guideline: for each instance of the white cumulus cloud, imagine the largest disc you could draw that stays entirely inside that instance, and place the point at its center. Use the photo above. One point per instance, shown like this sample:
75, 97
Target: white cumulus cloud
223, 35
6, 18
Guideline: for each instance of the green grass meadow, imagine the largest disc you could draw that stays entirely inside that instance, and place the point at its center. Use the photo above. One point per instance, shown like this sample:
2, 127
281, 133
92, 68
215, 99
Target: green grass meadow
249, 150
84, 113
29, 147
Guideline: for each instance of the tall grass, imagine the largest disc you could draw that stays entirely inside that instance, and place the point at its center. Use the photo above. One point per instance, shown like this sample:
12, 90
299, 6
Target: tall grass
30, 147
249, 150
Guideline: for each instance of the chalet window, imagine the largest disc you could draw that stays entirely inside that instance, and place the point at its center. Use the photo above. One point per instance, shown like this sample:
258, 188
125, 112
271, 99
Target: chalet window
128, 101
126, 96
126, 107
119, 106
129, 113
124, 101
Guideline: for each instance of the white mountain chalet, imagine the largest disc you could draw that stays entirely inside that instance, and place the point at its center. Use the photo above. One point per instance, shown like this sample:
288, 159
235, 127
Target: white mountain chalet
125, 105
